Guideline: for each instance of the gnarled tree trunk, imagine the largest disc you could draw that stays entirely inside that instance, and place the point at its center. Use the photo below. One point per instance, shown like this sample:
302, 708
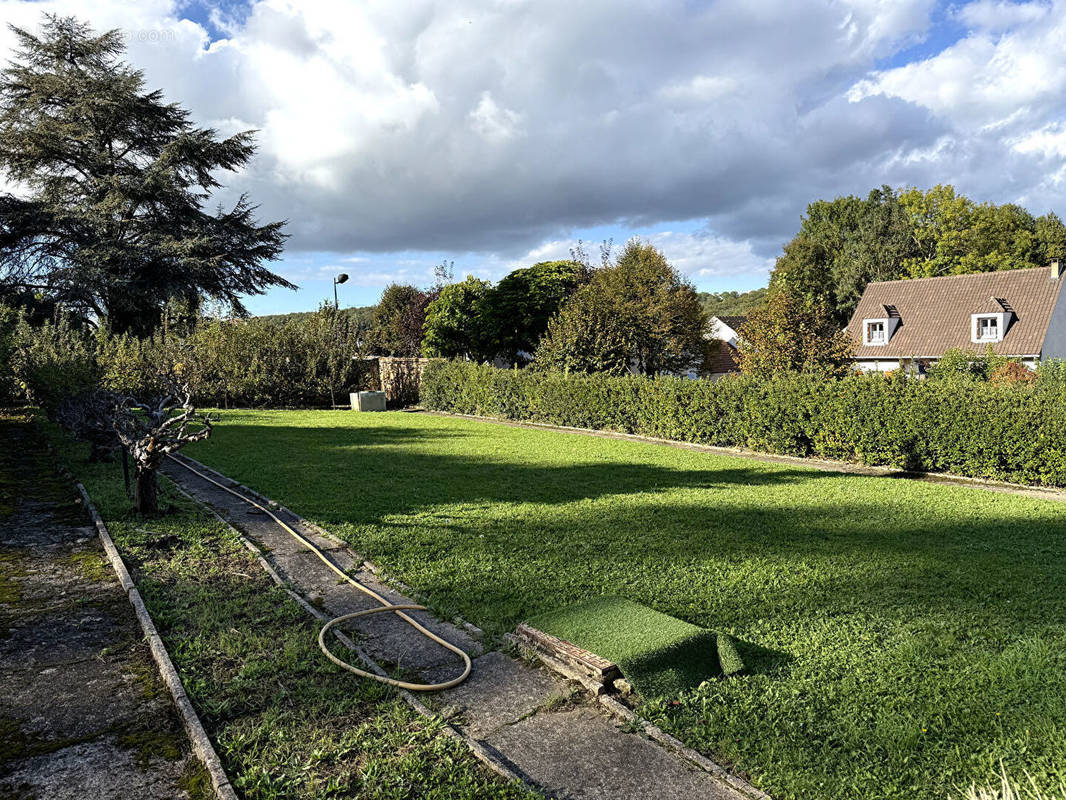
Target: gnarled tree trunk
146, 490
149, 433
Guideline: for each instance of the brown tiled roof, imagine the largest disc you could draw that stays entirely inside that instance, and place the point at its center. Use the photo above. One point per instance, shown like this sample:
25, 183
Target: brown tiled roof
734, 321
935, 312
722, 357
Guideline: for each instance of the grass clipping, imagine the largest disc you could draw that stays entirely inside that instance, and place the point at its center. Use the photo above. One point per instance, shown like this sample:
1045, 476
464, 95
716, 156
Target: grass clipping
658, 654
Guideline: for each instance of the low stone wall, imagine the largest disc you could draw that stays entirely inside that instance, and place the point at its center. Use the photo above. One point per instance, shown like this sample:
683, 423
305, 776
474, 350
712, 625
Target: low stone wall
399, 377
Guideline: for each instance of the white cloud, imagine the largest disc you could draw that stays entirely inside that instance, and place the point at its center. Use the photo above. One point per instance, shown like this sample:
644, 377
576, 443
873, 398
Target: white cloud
1048, 142
999, 15
702, 256
475, 125
988, 79
494, 124
490, 129
699, 255
699, 89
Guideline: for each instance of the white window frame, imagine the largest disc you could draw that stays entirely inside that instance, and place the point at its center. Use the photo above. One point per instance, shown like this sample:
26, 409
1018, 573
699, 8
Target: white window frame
1000, 320
888, 327
875, 332
987, 329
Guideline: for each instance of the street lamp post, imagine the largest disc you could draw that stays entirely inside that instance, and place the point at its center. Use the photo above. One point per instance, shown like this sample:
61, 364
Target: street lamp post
339, 279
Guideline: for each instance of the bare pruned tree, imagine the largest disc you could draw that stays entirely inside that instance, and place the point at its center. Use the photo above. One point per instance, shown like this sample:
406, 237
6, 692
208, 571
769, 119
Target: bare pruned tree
150, 432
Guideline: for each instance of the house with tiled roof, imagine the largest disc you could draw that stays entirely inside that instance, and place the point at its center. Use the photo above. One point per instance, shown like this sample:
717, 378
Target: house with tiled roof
727, 327
911, 323
723, 334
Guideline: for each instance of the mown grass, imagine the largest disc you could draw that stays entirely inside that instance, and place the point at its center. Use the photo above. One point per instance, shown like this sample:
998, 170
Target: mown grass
901, 637
286, 722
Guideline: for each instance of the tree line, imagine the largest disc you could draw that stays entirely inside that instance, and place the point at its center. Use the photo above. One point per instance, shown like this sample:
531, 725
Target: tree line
110, 229
633, 313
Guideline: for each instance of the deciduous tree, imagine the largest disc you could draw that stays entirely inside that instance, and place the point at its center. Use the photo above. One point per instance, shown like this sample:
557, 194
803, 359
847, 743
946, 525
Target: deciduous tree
522, 304
846, 243
456, 322
150, 432
396, 329
638, 314
793, 333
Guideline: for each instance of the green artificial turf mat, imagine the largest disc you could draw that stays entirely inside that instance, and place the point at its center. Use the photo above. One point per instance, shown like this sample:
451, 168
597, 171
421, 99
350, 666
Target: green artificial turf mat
728, 657
657, 653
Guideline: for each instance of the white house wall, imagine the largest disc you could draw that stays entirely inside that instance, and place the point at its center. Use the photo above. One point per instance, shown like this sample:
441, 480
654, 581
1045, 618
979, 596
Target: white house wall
876, 365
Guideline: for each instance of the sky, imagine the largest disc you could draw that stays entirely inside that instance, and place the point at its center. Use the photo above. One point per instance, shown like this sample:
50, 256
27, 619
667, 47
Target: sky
397, 134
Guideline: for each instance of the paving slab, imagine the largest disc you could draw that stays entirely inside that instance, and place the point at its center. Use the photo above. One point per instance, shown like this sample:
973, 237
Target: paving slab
500, 691
83, 712
101, 770
581, 753
526, 717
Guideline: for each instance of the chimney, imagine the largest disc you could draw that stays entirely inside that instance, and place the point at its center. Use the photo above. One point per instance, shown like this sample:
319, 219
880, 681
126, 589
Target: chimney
1056, 269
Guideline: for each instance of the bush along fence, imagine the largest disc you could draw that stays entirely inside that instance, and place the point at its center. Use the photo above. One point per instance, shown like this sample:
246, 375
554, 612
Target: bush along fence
1011, 432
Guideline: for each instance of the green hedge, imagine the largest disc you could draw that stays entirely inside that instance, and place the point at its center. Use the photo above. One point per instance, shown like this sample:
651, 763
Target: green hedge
1005, 432
305, 360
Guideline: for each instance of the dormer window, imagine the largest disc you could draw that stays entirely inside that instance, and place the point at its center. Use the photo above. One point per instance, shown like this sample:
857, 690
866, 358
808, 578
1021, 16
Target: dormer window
987, 329
875, 332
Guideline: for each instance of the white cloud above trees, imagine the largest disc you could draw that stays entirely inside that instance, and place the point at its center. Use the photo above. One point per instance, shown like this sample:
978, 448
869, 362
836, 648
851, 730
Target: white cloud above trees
500, 128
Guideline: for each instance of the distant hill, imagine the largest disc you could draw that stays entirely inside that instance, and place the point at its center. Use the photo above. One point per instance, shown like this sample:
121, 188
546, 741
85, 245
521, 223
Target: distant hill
361, 316
719, 304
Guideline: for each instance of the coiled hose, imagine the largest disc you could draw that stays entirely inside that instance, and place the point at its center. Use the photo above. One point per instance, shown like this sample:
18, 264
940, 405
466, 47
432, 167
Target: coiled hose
386, 606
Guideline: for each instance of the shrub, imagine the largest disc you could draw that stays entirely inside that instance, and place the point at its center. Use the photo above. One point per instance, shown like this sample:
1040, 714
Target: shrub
1014, 431
957, 364
52, 362
308, 360
1012, 372
793, 333
1052, 372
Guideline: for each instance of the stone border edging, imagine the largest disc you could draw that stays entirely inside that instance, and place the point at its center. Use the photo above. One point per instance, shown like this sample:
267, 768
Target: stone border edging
194, 728
1053, 493
482, 753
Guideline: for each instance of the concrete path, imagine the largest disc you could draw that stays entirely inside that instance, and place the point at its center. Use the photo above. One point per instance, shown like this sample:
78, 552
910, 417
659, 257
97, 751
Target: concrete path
532, 720
83, 712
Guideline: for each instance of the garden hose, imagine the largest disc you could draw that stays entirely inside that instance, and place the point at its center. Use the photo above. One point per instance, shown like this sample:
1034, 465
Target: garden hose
385, 606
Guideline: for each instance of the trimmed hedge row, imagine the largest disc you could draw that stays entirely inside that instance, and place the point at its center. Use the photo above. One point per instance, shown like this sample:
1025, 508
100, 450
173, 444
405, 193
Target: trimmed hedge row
1005, 432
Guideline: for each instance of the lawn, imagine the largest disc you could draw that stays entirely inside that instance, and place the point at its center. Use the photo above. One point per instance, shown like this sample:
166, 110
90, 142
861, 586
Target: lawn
902, 637
287, 724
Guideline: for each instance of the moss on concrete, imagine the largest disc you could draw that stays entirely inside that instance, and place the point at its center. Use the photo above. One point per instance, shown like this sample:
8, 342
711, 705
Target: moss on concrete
87, 564
11, 569
148, 744
146, 676
196, 781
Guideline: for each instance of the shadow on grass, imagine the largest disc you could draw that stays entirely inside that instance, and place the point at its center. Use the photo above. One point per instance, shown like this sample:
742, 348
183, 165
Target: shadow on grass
352, 459
759, 660
458, 526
